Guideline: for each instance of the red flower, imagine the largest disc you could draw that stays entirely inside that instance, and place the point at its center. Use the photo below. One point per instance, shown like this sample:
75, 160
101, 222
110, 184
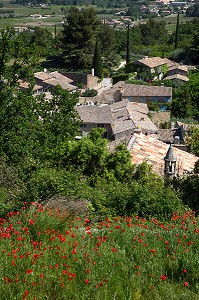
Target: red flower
28, 271
186, 283
86, 281
185, 271
163, 277
114, 250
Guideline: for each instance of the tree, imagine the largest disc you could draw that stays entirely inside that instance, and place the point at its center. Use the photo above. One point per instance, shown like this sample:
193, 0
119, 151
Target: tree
97, 60
153, 32
5, 48
32, 129
192, 140
128, 45
78, 36
177, 31
106, 38
194, 48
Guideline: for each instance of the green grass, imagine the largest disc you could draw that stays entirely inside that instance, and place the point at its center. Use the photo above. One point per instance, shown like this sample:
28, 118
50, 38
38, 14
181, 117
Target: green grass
47, 254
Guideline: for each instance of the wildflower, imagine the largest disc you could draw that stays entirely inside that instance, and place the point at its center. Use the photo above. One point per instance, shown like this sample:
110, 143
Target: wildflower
153, 251
86, 281
28, 271
185, 271
186, 283
163, 277
137, 267
114, 250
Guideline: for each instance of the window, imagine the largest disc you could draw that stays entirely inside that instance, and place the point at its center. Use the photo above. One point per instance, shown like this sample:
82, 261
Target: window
100, 125
130, 98
142, 100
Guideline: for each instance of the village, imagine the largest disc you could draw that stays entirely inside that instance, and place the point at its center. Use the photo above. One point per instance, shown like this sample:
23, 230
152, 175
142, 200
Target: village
122, 110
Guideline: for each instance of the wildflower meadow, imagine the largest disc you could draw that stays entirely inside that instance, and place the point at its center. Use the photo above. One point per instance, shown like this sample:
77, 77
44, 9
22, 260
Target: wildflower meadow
48, 254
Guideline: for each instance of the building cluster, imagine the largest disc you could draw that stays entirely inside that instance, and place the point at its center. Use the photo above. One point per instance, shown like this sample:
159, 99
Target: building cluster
122, 111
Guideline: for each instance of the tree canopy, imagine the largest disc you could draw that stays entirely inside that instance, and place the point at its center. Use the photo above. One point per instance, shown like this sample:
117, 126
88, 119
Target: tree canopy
78, 36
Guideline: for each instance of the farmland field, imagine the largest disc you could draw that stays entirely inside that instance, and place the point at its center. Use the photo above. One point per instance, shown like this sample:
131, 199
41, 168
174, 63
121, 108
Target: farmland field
22, 17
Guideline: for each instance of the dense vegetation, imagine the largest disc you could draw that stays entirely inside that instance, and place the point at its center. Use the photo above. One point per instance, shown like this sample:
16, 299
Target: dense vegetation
50, 255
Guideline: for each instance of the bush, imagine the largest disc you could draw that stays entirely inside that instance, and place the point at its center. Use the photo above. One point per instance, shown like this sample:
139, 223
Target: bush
89, 93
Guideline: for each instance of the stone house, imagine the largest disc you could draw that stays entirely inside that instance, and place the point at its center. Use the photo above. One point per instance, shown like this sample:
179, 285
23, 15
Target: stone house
145, 93
46, 82
119, 120
151, 68
177, 72
131, 92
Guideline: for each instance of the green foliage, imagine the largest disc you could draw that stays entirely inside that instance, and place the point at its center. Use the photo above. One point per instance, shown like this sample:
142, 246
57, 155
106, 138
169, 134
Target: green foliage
97, 60
153, 32
89, 93
106, 37
121, 77
185, 102
33, 129
192, 140
78, 36
128, 45
116, 258
177, 31
187, 187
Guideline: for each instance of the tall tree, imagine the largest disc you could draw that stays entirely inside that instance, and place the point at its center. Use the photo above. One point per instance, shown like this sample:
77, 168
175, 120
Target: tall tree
78, 36
128, 45
97, 60
33, 129
106, 37
177, 31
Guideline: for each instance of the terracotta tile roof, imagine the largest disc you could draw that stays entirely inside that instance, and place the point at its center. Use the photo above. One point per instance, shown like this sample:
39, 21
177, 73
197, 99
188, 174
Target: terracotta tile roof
178, 67
169, 62
152, 62
48, 75
55, 78
26, 85
65, 85
176, 76
137, 90
150, 149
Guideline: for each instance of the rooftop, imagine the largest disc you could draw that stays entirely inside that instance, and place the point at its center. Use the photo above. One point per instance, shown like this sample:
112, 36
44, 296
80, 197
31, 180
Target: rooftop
150, 149
137, 90
176, 76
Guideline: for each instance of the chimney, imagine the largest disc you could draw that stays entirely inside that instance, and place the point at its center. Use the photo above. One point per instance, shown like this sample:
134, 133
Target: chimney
92, 72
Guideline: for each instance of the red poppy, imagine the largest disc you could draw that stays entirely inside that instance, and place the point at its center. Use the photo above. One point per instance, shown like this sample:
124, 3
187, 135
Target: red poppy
163, 277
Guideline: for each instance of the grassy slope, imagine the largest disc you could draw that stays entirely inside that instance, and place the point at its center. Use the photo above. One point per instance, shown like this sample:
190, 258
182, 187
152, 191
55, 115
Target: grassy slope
51, 255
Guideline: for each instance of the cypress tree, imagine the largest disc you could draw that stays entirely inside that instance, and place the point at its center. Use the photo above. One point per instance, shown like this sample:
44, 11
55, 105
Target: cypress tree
128, 45
177, 31
97, 60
